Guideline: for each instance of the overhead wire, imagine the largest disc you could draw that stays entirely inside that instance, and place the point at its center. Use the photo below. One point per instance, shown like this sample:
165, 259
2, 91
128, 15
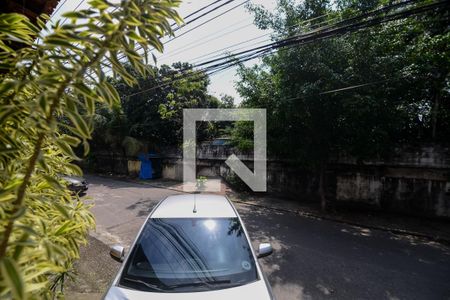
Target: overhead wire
76, 7
59, 7
197, 26
207, 21
185, 24
292, 26
323, 33
195, 43
208, 55
322, 30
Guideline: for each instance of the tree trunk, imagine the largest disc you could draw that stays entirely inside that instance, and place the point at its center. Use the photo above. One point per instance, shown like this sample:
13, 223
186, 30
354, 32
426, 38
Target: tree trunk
321, 188
435, 114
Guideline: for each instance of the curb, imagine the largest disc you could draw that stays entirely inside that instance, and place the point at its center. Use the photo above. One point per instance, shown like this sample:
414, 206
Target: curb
438, 239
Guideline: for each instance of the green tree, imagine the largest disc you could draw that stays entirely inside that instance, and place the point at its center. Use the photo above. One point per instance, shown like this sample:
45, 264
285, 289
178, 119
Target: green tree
152, 110
226, 101
48, 93
360, 94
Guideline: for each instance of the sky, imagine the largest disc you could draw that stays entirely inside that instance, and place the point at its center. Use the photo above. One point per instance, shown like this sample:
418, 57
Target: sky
233, 27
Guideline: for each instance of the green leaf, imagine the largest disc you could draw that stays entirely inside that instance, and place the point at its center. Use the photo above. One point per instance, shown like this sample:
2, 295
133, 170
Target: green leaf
81, 88
86, 147
20, 245
75, 15
13, 277
59, 42
6, 113
8, 86
112, 92
79, 124
74, 169
103, 93
19, 213
62, 210
63, 228
134, 36
66, 149
100, 4
132, 21
90, 105
119, 69
71, 140
52, 181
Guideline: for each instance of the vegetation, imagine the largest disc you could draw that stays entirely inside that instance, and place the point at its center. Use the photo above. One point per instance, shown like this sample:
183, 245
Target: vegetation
359, 94
150, 114
48, 94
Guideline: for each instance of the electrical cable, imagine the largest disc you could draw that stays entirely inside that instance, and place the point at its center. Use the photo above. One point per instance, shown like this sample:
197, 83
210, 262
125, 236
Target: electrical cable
308, 38
207, 21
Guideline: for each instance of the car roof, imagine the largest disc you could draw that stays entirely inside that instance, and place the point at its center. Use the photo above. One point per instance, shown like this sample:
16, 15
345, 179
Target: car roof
206, 206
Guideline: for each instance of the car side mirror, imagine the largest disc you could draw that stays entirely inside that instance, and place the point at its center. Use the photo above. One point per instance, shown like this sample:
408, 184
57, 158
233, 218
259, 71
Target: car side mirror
117, 252
264, 249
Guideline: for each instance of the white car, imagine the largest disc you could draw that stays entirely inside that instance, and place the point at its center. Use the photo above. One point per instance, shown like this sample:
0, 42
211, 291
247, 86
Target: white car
191, 247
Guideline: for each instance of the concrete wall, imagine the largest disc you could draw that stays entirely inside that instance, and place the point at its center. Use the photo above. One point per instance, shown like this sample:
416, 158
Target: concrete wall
414, 180
172, 168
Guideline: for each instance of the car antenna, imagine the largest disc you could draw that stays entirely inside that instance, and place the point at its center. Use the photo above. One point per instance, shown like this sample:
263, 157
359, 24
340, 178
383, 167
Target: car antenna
195, 205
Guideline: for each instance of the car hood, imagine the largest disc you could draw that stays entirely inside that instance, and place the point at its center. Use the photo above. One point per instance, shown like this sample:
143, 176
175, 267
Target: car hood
255, 290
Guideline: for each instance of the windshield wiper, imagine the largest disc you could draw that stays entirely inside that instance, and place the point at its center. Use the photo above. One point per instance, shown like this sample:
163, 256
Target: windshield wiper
149, 285
208, 283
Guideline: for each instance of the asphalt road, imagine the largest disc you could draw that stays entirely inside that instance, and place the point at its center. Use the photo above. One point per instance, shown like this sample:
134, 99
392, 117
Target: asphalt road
313, 259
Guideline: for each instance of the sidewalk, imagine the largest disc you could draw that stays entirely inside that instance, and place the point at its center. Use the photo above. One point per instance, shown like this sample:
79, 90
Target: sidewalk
95, 270
436, 230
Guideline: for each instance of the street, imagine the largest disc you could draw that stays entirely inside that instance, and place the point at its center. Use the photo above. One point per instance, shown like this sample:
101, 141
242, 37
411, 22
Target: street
312, 259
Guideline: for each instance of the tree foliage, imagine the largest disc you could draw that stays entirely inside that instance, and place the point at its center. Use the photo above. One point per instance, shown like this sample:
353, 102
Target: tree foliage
359, 94
48, 94
151, 112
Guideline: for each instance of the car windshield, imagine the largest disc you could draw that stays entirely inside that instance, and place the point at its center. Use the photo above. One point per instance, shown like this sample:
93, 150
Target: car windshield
190, 254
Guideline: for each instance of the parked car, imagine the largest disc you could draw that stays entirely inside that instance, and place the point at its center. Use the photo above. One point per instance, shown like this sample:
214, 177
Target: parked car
76, 184
191, 247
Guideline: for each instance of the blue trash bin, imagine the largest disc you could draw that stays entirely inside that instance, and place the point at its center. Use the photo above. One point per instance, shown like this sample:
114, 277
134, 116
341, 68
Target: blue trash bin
146, 171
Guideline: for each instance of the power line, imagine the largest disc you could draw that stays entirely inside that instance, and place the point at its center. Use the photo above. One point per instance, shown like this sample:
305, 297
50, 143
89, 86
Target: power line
206, 13
292, 26
346, 88
207, 21
76, 7
306, 38
286, 48
228, 47
139, 47
264, 35
320, 31
208, 55
202, 38
59, 7
201, 9
55, 11
204, 42
358, 26
163, 56
190, 22
352, 87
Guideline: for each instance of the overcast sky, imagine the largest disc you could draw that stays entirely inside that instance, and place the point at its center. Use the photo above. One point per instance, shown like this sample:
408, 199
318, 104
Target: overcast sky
231, 28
